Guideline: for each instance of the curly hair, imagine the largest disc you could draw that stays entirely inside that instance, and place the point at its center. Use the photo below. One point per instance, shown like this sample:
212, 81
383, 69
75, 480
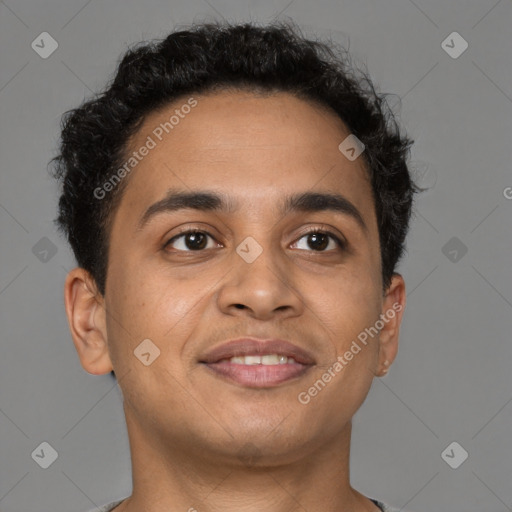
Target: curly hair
219, 56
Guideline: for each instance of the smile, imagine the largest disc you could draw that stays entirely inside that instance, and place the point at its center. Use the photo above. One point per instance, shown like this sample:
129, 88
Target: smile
268, 360
255, 363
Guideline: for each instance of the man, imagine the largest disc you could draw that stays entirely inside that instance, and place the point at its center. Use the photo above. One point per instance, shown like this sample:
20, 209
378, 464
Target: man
237, 201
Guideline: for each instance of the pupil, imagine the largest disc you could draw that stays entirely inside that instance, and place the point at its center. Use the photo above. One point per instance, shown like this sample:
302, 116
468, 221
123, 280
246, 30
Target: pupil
314, 238
195, 241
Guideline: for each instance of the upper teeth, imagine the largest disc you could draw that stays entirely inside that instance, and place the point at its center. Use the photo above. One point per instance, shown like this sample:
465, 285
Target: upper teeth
267, 359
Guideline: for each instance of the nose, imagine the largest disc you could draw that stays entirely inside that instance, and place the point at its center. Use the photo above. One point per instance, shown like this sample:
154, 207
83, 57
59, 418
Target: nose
262, 289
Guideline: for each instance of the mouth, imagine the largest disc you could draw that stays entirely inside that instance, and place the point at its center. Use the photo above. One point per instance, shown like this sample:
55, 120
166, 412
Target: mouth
258, 363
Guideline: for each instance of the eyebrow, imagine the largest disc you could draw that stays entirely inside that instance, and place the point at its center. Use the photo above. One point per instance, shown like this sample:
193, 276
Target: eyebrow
205, 200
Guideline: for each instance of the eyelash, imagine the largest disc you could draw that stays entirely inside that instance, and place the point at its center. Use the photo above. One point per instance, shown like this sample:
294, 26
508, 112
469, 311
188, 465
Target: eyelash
340, 243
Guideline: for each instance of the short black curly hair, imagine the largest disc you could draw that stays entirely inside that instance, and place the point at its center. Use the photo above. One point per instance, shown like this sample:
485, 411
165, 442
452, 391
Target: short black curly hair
215, 56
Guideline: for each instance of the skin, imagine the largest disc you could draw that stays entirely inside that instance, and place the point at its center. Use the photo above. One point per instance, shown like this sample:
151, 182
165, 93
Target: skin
198, 441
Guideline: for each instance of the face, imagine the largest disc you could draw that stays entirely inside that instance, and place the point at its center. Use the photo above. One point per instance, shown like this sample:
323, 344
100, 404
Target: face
251, 268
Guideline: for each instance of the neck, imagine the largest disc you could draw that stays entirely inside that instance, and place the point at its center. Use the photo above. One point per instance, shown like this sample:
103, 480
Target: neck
172, 476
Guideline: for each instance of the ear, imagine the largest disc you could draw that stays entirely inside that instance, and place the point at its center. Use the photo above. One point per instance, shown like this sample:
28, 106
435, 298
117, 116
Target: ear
392, 311
85, 310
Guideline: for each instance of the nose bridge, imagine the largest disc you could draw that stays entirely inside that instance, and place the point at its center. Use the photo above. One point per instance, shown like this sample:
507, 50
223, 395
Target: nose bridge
260, 262
260, 279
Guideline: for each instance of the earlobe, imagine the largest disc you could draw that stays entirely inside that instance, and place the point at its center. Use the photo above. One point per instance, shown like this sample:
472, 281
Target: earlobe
392, 313
86, 315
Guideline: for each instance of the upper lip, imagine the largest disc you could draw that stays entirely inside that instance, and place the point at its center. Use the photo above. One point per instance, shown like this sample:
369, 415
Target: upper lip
253, 346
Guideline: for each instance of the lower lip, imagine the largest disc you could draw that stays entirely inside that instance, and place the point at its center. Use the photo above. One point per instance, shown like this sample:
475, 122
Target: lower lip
258, 375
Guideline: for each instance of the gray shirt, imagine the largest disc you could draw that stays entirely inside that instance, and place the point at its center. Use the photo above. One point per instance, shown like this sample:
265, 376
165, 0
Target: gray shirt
112, 505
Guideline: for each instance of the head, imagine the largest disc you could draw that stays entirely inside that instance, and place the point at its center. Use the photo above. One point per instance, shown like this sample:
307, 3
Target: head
242, 125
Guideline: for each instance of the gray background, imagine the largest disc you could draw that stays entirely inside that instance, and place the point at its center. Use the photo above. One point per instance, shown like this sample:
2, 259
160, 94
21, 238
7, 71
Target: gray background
451, 380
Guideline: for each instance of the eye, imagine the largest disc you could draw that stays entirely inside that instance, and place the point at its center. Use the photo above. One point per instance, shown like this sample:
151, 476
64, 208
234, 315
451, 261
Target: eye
197, 240
193, 240
321, 240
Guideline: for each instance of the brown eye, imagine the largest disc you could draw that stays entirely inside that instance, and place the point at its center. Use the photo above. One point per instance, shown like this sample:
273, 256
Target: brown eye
319, 241
192, 240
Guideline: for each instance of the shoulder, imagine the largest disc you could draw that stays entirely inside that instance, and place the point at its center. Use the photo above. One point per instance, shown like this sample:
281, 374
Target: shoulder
387, 508
108, 507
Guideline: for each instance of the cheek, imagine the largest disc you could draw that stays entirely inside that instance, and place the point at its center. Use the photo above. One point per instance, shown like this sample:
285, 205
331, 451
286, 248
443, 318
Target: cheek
152, 305
347, 304
345, 311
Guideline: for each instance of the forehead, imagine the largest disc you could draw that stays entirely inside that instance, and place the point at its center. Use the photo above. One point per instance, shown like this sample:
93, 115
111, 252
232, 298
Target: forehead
254, 147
